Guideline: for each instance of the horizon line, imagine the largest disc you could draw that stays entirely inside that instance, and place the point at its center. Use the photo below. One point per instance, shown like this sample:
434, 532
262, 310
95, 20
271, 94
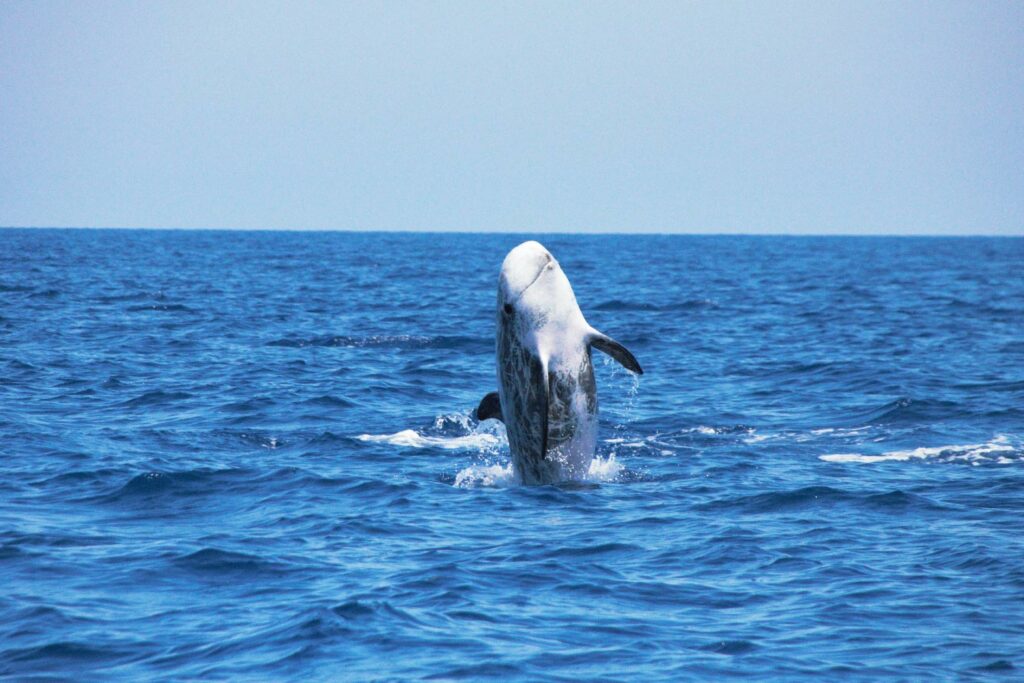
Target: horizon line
528, 231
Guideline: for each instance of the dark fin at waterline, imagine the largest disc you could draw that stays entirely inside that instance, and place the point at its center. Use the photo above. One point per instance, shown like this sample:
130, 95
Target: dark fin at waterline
490, 407
603, 342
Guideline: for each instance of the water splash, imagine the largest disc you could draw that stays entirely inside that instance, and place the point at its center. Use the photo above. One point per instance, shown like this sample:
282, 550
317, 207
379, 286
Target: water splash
605, 469
451, 431
495, 475
410, 438
502, 474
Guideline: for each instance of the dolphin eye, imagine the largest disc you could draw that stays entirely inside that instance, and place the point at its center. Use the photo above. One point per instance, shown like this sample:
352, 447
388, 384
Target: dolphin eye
508, 309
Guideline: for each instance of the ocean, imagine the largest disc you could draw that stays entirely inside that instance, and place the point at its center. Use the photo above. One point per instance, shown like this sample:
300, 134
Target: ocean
252, 456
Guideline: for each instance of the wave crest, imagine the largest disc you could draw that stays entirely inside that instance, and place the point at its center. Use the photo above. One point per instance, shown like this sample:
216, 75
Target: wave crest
410, 438
1000, 450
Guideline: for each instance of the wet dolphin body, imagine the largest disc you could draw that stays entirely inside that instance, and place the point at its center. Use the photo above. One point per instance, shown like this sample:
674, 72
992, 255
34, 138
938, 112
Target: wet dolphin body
546, 394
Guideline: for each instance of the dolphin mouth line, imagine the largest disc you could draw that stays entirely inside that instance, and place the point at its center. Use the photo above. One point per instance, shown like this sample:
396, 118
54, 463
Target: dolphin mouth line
536, 277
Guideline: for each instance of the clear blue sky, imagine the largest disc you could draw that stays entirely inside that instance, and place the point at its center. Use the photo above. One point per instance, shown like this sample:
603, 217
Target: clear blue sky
810, 117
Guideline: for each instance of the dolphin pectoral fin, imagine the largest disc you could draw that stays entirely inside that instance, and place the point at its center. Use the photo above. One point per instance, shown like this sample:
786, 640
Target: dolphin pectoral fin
490, 407
603, 342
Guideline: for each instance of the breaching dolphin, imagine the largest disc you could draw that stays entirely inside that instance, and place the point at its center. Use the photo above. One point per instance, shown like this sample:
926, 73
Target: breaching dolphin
546, 394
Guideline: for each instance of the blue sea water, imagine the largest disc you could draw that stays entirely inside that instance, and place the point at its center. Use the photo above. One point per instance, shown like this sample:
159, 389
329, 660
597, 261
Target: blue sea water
248, 455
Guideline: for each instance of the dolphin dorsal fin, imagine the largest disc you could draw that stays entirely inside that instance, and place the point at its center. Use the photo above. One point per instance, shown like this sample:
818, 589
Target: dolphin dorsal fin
490, 407
602, 342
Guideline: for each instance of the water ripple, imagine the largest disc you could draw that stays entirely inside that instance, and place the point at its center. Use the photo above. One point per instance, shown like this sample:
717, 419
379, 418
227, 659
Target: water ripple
251, 456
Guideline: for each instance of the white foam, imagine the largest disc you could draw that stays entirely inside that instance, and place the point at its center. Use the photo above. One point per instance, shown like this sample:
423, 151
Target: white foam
468, 436
716, 431
501, 475
789, 435
494, 475
839, 431
413, 439
972, 453
628, 444
488, 440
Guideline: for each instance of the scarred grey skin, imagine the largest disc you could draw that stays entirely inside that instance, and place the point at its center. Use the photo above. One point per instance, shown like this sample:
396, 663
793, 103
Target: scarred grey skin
546, 395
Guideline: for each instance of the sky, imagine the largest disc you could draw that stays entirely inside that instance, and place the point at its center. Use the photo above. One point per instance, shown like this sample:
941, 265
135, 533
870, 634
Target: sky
722, 117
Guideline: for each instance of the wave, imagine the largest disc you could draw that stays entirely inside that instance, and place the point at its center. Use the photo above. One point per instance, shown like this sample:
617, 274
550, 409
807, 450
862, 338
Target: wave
161, 308
6, 288
254, 438
328, 401
251, 404
413, 439
820, 496
730, 647
213, 560
687, 438
152, 484
451, 431
1000, 450
907, 410
158, 397
775, 501
620, 305
385, 341
15, 540
683, 305
44, 658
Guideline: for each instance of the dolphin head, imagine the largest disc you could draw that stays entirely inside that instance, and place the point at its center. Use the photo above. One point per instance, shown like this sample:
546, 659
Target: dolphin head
522, 268
534, 293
